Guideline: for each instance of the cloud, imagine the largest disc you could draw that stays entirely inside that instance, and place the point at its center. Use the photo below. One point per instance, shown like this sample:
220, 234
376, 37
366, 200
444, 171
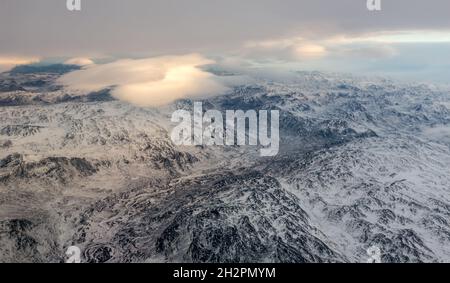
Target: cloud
79, 61
310, 51
410, 36
9, 62
339, 46
297, 31
371, 52
148, 82
294, 48
148, 28
402, 54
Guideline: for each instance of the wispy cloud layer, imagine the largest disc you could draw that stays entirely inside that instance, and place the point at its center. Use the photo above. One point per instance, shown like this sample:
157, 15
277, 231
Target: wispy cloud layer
149, 28
406, 36
369, 46
405, 54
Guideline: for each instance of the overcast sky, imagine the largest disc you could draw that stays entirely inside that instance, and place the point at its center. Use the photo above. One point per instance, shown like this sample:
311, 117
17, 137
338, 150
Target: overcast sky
321, 34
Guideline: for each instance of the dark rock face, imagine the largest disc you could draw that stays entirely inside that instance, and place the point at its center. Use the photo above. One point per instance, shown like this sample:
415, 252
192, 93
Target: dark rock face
10, 166
5, 144
17, 229
103, 95
23, 239
59, 169
20, 130
98, 254
37, 69
84, 167
217, 218
9, 86
11, 161
13, 101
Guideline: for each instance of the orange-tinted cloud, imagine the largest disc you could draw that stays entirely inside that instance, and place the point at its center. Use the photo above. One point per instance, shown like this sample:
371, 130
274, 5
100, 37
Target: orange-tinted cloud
148, 82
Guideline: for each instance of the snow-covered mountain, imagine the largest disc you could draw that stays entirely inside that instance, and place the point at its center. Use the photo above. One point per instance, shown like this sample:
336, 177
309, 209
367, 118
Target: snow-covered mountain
362, 163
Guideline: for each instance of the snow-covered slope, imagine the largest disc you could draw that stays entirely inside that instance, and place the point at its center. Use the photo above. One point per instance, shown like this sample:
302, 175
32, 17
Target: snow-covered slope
361, 163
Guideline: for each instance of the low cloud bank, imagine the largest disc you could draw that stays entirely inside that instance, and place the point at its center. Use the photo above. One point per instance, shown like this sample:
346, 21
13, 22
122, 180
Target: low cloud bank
79, 61
148, 82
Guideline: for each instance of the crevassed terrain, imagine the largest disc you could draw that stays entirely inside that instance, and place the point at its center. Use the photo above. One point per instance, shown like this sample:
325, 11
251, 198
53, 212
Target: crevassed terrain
361, 163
